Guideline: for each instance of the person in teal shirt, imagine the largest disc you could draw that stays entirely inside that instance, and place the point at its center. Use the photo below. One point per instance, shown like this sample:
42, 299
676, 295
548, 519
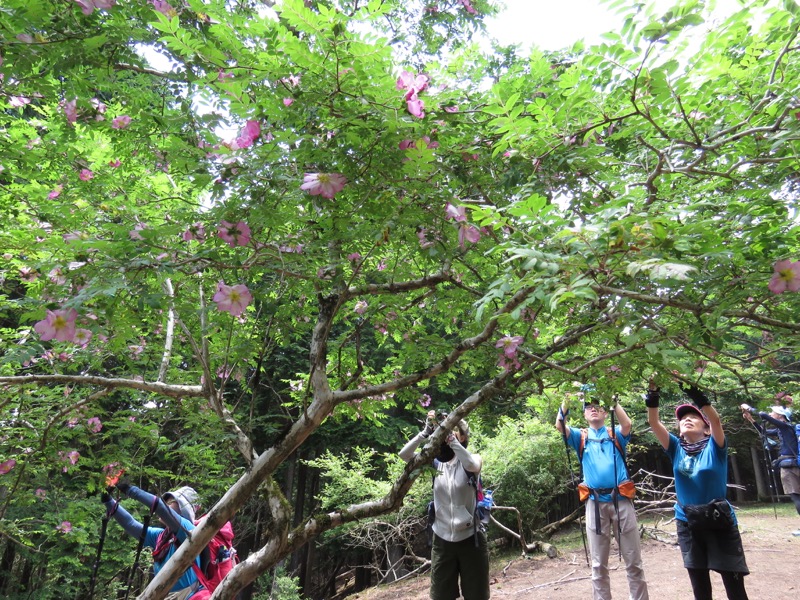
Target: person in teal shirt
700, 465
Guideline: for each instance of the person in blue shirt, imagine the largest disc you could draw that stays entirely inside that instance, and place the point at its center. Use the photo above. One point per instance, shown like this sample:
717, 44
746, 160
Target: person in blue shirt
700, 465
779, 419
609, 511
175, 511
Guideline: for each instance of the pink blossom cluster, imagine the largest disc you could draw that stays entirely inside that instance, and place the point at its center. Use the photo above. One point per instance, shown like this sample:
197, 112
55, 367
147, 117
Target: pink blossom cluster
468, 7
164, 8
60, 325
7, 465
413, 85
466, 232
508, 358
234, 234
326, 185
786, 277
89, 6
248, 135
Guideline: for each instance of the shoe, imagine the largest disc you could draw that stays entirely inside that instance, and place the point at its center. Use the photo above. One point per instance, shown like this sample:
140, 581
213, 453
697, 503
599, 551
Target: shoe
796, 533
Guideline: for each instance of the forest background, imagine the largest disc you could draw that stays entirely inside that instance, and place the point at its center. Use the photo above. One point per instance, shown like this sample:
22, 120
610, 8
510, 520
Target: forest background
255, 271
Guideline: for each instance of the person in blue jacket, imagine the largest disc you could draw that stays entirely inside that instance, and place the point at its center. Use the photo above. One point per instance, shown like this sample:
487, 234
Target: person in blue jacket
175, 511
780, 420
700, 466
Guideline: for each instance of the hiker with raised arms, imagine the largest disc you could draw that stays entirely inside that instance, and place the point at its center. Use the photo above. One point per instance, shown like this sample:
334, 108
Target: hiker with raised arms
779, 418
708, 533
607, 490
175, 511
459, 550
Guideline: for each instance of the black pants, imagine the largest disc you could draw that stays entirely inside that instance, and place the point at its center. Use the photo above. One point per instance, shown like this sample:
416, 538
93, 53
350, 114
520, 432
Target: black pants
701, 584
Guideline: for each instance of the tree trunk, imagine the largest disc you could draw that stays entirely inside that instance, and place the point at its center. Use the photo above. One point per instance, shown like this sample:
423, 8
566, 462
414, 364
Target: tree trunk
762, 486
6, 563
737, 478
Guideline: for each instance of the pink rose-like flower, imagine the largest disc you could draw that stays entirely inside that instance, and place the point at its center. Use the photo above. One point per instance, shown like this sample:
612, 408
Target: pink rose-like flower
59, 325
425, 400
410, 81
195, 232
71, 110
55, 193
326, 185
287, 102
232, 299
234, 235
424, 242
509, 345
85, 175
65, 527
88, 6
114, 163
457, 213
41, 494
82, 337
120, 122
134, 233
786, 277
451, 109
164, 8
360, 307
247, 135
94, 424
468, 6
415, 106
354, 257
7, 465
18, 101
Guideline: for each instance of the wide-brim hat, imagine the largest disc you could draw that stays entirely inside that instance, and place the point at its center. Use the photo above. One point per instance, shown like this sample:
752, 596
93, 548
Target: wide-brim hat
783, 411
185, 497
681, 411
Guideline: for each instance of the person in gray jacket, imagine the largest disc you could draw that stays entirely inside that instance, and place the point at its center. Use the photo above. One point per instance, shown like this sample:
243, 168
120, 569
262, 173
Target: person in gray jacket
459, 550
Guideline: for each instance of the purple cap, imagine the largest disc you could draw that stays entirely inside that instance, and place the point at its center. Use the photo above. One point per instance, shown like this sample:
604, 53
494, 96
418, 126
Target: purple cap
681, 411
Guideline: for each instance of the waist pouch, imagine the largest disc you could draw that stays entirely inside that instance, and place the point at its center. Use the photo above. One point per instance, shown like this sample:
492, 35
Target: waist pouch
716, 515
626, 489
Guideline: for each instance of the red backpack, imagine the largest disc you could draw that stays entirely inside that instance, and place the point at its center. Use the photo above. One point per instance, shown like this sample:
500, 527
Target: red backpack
217, 559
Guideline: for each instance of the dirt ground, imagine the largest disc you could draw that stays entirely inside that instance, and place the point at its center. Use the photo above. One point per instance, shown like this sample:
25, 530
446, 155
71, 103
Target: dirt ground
772, 554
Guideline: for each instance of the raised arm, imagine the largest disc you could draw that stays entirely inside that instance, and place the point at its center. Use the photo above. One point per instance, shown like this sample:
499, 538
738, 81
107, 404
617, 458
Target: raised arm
407, 451
651, 400
703, 403
623, 419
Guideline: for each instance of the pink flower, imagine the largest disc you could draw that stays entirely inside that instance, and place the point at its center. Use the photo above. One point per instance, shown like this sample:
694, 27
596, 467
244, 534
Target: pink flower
18, 101
326, 185
82, 337
247, 135
468, 233
415, 106
85, 175
786, 277
234, 235
134, 233
508, 364
59, 325
72, 457
509, 345
114, 163
409, 81
381, 265
354, 257
87, 6
94, 425
288, 101
451, 109
55, 193
7, 465
164, 8
360, 307
459, 213
65, 527
425, 400
424, 242
120, 122
233, 299
195, 232
41, 494
71, 110
468, 6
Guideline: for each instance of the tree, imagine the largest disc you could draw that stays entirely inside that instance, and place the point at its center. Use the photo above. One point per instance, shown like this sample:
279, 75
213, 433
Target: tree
323, 182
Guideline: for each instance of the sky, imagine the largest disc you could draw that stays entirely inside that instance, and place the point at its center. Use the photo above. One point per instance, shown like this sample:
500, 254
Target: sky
557, 24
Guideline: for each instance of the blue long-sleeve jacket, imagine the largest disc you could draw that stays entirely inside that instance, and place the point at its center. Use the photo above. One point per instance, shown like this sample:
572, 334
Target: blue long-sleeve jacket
173, 521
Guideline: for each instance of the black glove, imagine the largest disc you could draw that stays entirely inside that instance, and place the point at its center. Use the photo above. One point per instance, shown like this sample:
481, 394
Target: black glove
652, 397
429, 428
105, 497
124, 486
696, 395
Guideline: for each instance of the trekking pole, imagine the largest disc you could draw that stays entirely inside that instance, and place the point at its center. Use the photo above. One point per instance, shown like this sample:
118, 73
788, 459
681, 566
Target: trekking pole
103, 529
572, 478
615, 492
139, 546
771, 482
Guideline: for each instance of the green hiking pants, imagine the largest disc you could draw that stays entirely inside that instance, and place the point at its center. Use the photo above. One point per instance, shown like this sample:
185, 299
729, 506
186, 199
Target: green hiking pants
451, 560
